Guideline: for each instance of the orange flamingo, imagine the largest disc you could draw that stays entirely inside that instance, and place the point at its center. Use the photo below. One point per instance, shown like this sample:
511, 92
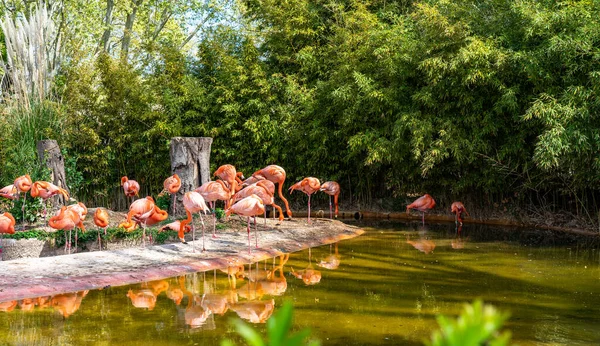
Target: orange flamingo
172, 185
101, 220
7, 225
261, 189
175, 226
458, 208
66, 220
249, 206
276, 174
45, 190
23, 184
422, 204
193, 202
213, 191
228, 174
130, 187
139, 212
80, 209
309, 186
266, 183
9, 191
332, 189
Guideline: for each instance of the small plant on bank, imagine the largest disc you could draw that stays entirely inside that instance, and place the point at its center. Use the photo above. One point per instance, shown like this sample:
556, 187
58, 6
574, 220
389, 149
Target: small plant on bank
478, 324
163, 201
33, 209
278, 331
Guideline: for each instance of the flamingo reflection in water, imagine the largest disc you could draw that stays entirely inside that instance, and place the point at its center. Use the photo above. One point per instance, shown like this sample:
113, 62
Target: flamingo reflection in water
218, 302
68, 303
145, 297
195, 314
332, 261
458, 242
8, 306
424, 245
309, 276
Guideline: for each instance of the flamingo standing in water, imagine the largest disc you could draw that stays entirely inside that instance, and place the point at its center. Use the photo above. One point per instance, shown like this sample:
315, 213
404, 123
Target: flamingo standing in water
261, 189
172, 185
7, 225
229, 175
23, 184
101, 220
332, 188
213, 191
45, 190
193, 202
66, 220
458, 208
130, 187
249, 206
422, 204
276, 174
309, 186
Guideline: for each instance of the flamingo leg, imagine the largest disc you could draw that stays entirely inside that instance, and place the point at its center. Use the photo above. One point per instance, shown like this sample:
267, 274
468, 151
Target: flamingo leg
330, 209
69, 244
309, 209
256, 230
66, 242
75, 239
45, 211
202, 221
248, 230
23, 208
144, 234
456, 218
105, 230
99, 241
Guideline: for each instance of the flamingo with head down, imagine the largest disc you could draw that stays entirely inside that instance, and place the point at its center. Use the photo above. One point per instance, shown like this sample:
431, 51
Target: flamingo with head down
45, 190
332, 189
67, 220
458, 209
131, 188
193, 202
229, 175
277, 175
309, 186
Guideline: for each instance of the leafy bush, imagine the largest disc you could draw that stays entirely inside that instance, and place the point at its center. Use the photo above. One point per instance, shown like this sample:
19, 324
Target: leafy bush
478, 324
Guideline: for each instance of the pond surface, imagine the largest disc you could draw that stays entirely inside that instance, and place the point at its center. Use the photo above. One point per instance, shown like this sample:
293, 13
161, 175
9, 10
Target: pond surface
382, 288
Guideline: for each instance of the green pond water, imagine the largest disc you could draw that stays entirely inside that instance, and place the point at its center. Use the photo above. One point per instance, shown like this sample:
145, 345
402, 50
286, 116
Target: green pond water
382, 288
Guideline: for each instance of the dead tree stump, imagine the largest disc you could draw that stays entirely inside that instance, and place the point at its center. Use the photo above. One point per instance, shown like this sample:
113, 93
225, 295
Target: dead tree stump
50, 156
190, 159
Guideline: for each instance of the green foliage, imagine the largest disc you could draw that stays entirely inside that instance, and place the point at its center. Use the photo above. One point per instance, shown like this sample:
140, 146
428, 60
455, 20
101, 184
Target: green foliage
219, 213
478, 324
279, 327
33, 209
163, 201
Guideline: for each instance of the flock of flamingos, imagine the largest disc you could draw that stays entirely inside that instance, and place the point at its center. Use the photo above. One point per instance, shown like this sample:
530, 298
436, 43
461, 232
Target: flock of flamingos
246, 197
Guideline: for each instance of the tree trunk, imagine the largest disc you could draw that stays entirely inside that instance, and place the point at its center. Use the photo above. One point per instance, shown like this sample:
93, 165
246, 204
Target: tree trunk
190, 159
50, 156
128, 29
108, 25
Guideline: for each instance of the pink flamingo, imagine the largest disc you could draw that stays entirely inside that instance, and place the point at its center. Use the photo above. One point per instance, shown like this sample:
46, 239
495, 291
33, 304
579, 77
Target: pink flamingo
45, 190
172, 185
309, 186
193, 202
458, 208
422, 204
23, 184
261, 189
332, 189
249, 206
213, 191
277, 175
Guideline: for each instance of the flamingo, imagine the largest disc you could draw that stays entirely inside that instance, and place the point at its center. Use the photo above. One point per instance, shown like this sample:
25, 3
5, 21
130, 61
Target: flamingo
172, 185
140, 210
249, 206
68, 303
7, 225
193, 202
228, 174
23, 184
309, 276
332, 189
309, 186
9, 191
175, 226
458, 208
276, 174
66, 220
101, 220
213, 191
266, 183
261, 189
45, 190
422, 204
130, 187
80, 209
331, 261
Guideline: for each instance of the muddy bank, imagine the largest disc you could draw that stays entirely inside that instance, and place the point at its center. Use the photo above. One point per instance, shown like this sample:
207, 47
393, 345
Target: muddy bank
34, 277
